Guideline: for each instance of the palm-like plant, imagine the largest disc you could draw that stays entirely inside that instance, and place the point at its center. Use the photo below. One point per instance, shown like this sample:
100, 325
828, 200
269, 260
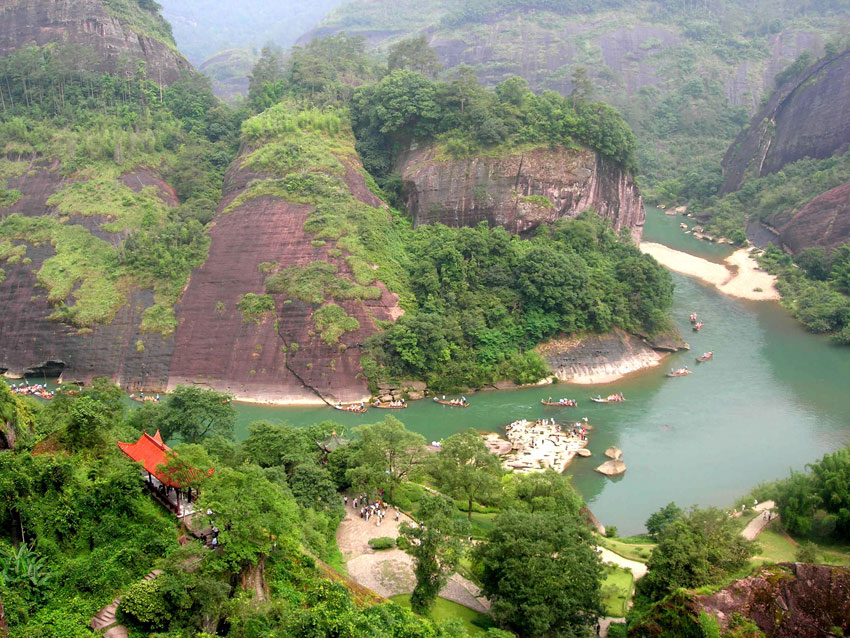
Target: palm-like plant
24, 568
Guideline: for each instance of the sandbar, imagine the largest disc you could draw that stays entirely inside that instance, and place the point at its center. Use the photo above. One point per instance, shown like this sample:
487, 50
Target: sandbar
738, 276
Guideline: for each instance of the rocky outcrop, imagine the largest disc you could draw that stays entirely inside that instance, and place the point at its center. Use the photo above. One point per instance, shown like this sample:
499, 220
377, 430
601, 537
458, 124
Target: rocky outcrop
614, 453
519, 190
805, 117
592, 359
786, 601
118, 44
32, 343
824, 221
278, 357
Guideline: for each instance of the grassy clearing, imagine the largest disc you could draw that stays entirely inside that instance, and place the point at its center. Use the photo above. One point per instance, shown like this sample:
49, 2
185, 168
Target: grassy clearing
617, 589
473, 622
630, 550
123, 208
777, 547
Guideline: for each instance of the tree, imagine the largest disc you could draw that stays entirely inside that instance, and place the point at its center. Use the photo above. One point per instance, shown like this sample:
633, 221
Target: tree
194, 414
253, 514
656, 523
187, 465
88, 424
582, 86
388, 453
797, 500
436, 549
696, 549
466, 469
546, 491
414, 54
832, 480
542, 574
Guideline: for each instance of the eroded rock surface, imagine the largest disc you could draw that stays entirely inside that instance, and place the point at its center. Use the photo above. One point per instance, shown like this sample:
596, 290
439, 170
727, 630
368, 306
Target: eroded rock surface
521, 190
277, 357
790, 600
88, 23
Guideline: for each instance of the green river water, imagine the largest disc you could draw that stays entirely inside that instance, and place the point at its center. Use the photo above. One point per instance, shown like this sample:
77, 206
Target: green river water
773, 398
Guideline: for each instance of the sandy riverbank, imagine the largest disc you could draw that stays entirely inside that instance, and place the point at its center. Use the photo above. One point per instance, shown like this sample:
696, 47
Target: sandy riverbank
739, 275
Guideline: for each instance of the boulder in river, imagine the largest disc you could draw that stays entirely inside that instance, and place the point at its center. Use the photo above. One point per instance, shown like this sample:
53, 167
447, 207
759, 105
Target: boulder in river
612, 468
614, 453
583, 452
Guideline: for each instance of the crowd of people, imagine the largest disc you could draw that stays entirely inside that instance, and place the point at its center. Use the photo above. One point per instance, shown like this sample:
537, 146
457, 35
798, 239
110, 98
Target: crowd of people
369, 510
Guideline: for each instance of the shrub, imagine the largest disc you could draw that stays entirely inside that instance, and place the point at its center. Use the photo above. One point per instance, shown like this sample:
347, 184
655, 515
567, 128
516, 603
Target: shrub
143, 604
382, 542
611, 531
402, 543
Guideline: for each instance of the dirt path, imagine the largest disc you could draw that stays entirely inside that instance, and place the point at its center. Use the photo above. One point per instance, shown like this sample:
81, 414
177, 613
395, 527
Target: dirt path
755, 526
739, 277
390, 572
637, 569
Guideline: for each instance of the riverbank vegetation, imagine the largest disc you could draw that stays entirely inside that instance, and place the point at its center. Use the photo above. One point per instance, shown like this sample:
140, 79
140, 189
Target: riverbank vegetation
815, 288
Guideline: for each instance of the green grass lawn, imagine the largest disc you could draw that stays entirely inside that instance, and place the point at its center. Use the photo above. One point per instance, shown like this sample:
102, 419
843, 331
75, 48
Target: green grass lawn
777, 548
617, 590
630, 550
474, 622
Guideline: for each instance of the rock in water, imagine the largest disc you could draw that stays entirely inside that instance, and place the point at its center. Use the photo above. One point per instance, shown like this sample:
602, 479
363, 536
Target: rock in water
614, 453
583, 452
612, 468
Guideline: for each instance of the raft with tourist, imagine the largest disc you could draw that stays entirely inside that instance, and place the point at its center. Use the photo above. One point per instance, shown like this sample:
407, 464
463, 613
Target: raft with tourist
390, 405
705, 357
141, 398
681, 372
560, 403
356, 408
455, 403
611, 398
36, 390
698, 326
693, 317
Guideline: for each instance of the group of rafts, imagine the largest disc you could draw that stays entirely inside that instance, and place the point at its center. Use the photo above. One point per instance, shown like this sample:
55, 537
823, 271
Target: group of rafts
684, 371
36, 390
398, 404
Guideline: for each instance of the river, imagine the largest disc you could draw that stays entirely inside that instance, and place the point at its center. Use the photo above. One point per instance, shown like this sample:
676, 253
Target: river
773, 398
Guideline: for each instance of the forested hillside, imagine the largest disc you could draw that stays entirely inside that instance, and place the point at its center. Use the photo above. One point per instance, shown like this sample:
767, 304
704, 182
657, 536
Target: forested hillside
686, 76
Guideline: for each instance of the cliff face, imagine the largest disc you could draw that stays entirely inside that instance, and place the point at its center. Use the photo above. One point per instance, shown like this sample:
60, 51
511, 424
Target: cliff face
824, 221
90, 24
519, 191
31, 343
805, 117
787, 601
279, 356
593, 359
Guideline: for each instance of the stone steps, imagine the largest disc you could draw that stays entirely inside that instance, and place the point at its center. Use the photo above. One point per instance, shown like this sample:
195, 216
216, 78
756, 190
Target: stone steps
105, 618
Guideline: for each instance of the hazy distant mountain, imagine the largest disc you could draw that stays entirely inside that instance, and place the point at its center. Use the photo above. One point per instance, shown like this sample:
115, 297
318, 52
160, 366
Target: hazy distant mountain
203, 28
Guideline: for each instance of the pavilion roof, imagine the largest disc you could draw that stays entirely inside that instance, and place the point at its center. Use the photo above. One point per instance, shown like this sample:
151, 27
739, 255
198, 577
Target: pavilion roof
151, 451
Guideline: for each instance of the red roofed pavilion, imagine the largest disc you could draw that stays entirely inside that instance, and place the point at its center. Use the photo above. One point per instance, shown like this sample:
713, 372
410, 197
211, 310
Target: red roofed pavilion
152, 453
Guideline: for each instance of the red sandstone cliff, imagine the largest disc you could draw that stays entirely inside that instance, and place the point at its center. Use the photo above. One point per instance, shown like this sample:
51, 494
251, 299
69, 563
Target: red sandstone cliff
90, 24
30, 343
521, 190
280, 358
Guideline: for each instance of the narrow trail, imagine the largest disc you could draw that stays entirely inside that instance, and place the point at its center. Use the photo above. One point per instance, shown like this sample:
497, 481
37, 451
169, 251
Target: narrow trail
637, 569
105, 619
755, 526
